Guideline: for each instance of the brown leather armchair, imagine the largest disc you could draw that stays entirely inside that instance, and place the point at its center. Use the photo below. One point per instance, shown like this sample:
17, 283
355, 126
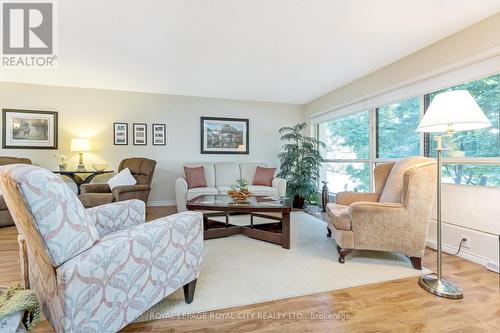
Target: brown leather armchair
99, 194
5, 218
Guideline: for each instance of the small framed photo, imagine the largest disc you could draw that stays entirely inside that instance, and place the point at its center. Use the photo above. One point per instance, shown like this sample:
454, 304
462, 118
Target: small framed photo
140, 134
120, 134
159, 135
29, 129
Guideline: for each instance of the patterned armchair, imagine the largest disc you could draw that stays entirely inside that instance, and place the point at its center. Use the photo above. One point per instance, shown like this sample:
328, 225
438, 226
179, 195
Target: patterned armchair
96, 270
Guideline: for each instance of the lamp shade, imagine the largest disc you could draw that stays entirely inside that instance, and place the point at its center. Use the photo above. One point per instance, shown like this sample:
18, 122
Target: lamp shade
453, 111
80, 145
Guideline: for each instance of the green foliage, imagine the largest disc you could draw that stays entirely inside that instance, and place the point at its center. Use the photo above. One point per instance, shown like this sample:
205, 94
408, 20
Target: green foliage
478, 143
312, 199
351, 134
300, 161
397, 129
241, 185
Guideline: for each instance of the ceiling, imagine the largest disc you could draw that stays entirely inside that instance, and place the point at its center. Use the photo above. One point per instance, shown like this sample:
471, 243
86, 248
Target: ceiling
289, 51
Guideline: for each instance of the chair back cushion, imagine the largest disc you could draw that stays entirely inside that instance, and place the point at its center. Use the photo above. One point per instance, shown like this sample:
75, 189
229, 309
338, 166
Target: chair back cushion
38, 197
393, 188
141, 168
5, 160
247, 170
209, 171
226, 174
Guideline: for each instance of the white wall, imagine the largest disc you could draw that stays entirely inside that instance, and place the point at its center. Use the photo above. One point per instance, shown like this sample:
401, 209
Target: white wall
91, 113
468, 211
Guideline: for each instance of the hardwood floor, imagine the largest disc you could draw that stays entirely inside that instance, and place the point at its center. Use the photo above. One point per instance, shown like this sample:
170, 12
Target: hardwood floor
394, 306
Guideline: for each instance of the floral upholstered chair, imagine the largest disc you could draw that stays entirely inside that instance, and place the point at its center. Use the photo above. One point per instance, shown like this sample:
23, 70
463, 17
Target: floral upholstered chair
96, 270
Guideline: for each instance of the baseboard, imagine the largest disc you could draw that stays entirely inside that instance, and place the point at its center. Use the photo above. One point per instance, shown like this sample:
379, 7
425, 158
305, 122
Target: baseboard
156, 203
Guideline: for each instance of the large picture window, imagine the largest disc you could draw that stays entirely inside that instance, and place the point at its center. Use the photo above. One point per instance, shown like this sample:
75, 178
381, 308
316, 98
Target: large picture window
396, 129
357, 142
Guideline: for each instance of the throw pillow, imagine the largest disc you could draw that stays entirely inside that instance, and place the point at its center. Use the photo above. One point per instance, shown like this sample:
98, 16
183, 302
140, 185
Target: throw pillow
264, 176
123, 178
195, 176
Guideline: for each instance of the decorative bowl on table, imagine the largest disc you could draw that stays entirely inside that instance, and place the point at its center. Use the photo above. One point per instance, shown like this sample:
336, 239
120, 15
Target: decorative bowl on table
239, 192
100, 167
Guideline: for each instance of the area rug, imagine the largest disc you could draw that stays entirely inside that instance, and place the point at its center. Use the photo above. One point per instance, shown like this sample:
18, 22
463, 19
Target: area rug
238, 270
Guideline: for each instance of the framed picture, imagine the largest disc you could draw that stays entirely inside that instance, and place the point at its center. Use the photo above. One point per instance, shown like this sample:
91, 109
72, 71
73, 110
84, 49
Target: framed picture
224, 135
140, 134
29, 129
159, 134
120, 134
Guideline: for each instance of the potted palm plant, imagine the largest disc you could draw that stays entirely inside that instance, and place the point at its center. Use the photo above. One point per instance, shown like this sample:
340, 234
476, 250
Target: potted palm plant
300, 163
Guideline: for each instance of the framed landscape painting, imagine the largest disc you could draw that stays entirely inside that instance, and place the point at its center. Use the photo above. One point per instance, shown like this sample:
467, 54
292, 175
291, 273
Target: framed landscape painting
224, 135
29, 129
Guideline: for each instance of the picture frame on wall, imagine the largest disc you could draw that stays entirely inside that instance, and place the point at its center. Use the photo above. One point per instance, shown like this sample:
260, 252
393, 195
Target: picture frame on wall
140, 134
224, 135
120, 134
29, 129
159, 132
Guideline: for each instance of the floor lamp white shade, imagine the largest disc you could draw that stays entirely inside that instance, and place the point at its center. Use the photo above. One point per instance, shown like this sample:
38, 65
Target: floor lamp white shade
449, 112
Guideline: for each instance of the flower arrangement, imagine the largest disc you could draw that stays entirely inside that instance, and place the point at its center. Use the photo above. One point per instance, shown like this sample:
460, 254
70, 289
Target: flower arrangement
239, 191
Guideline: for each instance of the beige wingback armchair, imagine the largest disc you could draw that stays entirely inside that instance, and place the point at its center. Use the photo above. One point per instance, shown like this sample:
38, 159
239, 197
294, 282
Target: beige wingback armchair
99, 194
395, 218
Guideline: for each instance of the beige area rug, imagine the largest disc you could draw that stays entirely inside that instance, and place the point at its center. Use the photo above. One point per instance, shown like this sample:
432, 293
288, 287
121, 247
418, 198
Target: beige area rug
238, 270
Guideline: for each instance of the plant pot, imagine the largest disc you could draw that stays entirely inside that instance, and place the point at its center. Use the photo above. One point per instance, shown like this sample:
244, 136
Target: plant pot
298, 202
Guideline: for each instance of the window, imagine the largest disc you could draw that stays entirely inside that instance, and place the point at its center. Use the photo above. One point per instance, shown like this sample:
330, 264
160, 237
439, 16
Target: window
346, 137
346, 176
466, 174
478, 143
396, 129
346, 166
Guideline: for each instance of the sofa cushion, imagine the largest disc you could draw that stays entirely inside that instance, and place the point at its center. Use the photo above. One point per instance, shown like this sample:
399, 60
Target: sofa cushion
209, 172
339, 215
223, 189
262, 190
393, 188
195, 176
226, 174
247, 170
264, 176
197, 191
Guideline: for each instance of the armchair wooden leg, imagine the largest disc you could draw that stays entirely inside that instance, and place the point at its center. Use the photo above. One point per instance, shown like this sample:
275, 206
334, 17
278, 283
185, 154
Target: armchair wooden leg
189, 291
342, 254
416, 263
329, 232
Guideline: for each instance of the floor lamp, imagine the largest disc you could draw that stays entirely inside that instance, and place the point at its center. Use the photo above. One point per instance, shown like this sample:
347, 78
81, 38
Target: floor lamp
449, 112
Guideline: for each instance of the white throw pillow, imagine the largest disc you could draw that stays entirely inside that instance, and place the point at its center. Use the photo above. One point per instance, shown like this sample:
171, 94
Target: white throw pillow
123, 178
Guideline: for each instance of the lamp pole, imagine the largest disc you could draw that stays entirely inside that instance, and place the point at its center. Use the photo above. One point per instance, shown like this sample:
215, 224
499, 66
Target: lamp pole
435, 283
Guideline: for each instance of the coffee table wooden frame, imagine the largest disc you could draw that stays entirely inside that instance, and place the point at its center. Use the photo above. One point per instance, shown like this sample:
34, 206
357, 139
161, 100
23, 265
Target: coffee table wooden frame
274, 232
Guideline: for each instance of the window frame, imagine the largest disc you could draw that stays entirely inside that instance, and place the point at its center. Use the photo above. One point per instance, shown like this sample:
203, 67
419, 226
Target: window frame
373, 158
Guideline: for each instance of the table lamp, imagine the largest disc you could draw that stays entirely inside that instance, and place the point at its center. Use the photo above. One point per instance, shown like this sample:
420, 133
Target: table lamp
80, 146
449, 112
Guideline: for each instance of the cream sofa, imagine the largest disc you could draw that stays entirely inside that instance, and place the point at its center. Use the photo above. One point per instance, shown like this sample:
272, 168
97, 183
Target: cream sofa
220, 177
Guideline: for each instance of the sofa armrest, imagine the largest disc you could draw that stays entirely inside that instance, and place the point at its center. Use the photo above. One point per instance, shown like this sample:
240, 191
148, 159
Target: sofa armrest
95, 188
181, 188
280, 185
118, 215
347, 198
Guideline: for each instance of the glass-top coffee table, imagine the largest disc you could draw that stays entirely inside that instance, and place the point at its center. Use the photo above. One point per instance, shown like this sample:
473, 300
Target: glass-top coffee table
276, 209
